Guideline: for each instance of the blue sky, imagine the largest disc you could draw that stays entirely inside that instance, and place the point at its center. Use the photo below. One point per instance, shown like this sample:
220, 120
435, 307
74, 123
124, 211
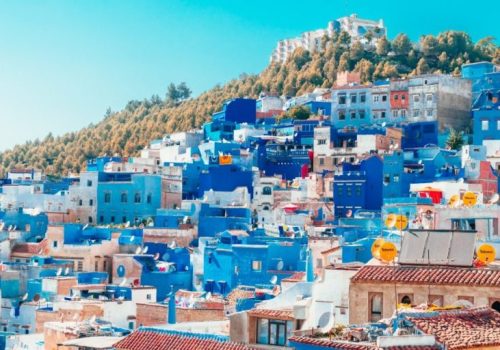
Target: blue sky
62, 63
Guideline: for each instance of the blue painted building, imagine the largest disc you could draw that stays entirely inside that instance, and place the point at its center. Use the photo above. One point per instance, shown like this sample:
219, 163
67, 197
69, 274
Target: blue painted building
251, 261
33, 227
215, 219
98, 164
486, 116
320, 107
289, 160
351, 106
125, 197
359, 186
483, 77
420, 165
420, 134
224, 122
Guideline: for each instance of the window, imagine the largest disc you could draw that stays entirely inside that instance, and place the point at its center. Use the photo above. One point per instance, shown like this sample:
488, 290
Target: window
124, 198
148, 296
485, 125
403, 98
341, 115
429, 97
416, 113
396, 97
274, 332
395, 178
375, 306
361, 114
149, 198
394, 113
256, 265
107, 197
342, 99
322, 142
405, 298
96, 265
267, 190
101, 219
112, 219
322, 161
137, 198
105, 265
54, 244
382, 114
79, 266
498, 124
362, 97
387, 179
403, 113
353, 115
90, 219
91, 202
124, 219
80, 202
430, 113
89, 183
384, 98
416, 98
354, 98
375, 98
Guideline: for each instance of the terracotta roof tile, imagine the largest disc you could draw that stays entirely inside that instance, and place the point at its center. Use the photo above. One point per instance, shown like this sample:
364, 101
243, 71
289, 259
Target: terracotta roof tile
160, 339
462, 329
435, 275
296, 277
30, 248
333, 344
238, 293
286, 315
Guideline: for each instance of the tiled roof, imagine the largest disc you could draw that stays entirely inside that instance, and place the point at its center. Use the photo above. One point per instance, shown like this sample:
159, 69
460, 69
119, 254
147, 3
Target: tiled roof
463, 329
286, 315
344, 345
159, 339
239, 293
332, 344
483, 277
296, 277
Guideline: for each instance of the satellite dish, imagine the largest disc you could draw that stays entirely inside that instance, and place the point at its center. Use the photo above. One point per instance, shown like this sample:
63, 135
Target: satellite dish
208, 296
75, 317
138, 250
469, 199
172, 245
494, 199
92, 319
280, 265
66, 271
486, 253
376, 247
85, 227
145, 250
420, 161
461, 180
274, 279
396, 146
384, 124
157, 256
131, 239
127, 224
349, 213
390, 221
401, 222
388, 252
25, 297
123, 282
59, 272
454, 200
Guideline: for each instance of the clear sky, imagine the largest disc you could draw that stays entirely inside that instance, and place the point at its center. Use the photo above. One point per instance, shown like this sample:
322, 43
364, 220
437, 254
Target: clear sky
62, 63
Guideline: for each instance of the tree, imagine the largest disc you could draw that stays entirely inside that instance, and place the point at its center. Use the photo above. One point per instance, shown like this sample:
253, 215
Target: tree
172, 95
184, 91
455, 140
343, 63
429, 45
298, 112
401, 45
422, 67
356, 51
365, 70
383, 46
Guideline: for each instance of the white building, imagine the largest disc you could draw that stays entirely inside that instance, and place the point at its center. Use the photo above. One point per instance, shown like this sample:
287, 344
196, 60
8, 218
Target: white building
356, 27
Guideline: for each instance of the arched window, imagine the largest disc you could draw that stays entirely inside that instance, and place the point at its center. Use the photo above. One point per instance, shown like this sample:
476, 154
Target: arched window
406, 300
124, 198
496, 306
376, 307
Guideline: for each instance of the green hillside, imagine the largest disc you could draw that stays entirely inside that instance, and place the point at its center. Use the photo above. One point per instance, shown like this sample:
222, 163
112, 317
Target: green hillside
129, 130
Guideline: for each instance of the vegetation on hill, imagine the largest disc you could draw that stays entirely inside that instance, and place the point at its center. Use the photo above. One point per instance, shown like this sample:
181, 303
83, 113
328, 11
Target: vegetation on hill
129, 130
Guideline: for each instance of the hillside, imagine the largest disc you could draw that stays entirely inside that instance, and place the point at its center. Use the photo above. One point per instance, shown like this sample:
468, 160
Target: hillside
129, 130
